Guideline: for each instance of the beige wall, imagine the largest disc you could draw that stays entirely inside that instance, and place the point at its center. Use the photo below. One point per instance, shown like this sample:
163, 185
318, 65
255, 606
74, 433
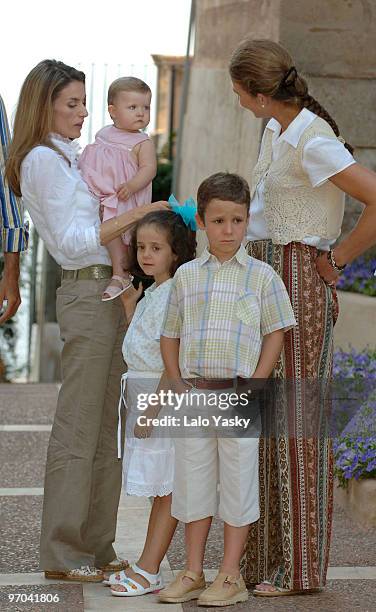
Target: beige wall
356, 325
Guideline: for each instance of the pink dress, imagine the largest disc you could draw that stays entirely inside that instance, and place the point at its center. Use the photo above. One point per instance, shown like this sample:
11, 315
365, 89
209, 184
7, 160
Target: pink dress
107, 163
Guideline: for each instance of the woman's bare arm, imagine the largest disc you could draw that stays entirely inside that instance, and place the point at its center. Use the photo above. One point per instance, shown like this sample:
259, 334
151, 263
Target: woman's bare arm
360, 183
115, 227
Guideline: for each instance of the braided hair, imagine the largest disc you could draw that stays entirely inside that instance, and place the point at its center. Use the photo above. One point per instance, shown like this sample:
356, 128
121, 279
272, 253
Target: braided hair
264, 66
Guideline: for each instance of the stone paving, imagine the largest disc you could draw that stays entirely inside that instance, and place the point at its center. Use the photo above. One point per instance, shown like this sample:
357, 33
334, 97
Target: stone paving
26, 413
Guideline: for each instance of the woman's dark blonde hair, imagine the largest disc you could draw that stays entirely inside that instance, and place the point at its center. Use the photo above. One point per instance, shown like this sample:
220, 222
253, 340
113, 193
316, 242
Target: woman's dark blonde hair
265, 67
34, 116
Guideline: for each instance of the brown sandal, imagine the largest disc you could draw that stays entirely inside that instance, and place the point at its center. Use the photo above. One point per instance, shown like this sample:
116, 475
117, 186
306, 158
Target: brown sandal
179, 592
79, 574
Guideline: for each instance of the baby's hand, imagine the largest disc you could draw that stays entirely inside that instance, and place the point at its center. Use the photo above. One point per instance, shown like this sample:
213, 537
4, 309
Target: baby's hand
123, 193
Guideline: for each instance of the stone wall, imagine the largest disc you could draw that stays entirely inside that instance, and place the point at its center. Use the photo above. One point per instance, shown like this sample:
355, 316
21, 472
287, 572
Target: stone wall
217, 135
333, 42
164, 94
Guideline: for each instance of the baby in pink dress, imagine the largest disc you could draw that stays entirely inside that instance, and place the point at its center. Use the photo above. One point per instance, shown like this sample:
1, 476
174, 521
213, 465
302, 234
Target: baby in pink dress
120, 166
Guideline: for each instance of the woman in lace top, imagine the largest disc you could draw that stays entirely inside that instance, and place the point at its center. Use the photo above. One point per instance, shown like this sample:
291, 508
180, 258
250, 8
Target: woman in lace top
296, 214
83, 474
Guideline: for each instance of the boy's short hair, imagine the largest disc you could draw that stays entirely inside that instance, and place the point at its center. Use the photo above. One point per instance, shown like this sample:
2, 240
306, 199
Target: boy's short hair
223, 186
126, 84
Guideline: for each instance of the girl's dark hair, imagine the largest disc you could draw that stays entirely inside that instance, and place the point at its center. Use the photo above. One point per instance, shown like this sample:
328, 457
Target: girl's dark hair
181, 239
264, 66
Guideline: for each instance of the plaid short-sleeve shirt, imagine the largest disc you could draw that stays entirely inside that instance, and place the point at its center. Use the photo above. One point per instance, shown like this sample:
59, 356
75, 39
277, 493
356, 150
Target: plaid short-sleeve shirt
221, 312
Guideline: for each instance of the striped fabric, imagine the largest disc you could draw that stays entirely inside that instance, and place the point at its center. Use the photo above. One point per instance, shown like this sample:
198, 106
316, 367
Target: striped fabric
14, 233
221, 312
289, 545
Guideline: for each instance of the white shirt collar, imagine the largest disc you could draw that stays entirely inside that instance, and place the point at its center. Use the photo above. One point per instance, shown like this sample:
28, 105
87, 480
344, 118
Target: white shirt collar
70, 148
296, 128
240, 256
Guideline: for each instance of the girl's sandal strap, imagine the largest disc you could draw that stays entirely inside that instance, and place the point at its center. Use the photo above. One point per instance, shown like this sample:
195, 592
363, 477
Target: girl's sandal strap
114, 291
151, 578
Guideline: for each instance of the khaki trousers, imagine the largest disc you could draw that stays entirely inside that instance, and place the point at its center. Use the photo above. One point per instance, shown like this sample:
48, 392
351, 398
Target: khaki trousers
83, 474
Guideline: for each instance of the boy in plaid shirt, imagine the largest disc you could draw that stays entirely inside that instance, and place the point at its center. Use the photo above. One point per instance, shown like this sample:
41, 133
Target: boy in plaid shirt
225, 323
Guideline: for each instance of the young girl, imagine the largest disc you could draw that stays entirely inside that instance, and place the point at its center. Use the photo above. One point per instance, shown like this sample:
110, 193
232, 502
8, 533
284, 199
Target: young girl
160, 243
119, 167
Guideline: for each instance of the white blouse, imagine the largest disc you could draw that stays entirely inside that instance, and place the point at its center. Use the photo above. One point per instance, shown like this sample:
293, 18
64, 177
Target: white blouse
322, 158
64, 212
141, 350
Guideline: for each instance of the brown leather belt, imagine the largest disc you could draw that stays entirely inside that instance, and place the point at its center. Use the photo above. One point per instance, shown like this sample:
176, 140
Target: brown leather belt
217, 383
96, 272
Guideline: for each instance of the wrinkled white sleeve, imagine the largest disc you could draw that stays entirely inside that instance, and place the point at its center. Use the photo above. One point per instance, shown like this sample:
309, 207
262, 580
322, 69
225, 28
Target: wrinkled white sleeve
48, 178
324, 157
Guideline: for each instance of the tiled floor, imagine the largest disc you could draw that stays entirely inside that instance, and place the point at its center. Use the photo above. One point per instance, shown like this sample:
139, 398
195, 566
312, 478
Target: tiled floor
352, 577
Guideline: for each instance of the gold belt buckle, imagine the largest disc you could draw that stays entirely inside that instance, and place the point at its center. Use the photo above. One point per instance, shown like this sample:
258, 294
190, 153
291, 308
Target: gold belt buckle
96, 272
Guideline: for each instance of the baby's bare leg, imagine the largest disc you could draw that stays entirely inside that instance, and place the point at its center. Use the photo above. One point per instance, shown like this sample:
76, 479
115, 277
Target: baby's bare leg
118, 252
120, 261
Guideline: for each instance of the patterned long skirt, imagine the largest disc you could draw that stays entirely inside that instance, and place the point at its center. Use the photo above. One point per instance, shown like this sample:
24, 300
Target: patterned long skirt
289, 545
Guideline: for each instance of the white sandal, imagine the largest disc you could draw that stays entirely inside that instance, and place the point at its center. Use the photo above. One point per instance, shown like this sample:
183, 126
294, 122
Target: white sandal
135, 588
113, 291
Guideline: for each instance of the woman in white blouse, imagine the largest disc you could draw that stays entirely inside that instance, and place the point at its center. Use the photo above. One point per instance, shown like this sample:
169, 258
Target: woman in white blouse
296, 213
83, 474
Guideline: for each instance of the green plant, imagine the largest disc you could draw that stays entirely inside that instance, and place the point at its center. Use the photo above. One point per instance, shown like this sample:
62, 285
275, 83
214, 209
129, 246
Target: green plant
359, 276
355, 447
162, 182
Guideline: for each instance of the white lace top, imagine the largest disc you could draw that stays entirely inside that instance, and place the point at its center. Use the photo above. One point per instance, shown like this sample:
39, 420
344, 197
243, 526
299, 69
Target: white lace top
322, 158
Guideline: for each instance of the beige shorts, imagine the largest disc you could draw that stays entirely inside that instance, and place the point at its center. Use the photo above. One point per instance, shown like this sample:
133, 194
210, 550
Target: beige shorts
203, 462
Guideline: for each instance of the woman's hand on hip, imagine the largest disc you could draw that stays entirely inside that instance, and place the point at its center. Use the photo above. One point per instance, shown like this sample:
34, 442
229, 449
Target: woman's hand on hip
326, 271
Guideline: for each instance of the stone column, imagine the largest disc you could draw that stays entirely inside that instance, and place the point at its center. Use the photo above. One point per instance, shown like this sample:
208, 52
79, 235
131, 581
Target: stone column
217, 134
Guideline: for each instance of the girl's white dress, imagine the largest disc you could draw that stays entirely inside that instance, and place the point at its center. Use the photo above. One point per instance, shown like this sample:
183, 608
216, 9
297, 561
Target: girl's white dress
148, 464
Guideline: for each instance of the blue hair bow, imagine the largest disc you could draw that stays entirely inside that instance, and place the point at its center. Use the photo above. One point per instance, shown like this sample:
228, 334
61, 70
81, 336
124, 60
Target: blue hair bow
187, 211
